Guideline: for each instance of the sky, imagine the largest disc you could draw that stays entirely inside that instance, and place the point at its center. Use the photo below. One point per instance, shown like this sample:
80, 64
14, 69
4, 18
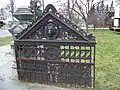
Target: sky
27, 2
23, 2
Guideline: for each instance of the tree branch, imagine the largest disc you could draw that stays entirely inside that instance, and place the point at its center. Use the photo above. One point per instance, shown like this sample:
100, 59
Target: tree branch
92, 3
80, 8
77, 12
82, 2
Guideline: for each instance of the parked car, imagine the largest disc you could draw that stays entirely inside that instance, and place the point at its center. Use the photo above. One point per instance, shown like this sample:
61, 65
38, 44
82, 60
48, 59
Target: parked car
2, 24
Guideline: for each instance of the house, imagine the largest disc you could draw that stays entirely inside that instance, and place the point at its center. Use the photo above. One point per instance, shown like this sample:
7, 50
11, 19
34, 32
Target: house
116, 18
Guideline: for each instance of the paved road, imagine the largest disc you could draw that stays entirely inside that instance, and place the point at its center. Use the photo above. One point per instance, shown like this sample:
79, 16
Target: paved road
8, 76
4, 33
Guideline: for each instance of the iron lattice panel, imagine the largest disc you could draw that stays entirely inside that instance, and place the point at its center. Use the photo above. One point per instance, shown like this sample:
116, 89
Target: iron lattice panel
66, 53
56, 63
55, 72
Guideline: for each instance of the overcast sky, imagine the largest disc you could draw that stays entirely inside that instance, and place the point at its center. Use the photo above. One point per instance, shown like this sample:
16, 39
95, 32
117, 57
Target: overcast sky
22, 2
27, 2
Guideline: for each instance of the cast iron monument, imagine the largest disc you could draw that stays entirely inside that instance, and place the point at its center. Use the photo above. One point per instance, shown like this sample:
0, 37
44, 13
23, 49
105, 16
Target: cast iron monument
55, 50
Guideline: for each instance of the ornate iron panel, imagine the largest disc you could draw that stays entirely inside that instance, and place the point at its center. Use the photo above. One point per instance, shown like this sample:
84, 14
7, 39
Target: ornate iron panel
55, 50
56, 63
41, 71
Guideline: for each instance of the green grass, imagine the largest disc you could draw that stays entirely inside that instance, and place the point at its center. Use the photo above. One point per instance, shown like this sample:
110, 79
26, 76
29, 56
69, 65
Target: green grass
5, 41
107, 60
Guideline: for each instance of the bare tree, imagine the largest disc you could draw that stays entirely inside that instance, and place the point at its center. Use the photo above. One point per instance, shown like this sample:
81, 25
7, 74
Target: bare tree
81, 8
84, 8
2, 13
67, 9
5, 12
92, 18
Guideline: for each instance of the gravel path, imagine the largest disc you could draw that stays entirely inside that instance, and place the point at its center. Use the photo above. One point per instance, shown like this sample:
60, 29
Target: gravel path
4, 33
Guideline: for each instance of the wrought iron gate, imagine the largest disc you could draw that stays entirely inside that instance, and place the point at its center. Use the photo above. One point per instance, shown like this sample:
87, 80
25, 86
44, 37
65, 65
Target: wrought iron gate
55, 50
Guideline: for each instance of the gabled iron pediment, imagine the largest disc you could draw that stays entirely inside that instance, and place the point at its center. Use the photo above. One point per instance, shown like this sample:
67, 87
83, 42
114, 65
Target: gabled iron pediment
54, 26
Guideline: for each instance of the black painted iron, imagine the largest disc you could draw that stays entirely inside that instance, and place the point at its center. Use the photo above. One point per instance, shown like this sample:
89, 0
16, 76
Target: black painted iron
55, 50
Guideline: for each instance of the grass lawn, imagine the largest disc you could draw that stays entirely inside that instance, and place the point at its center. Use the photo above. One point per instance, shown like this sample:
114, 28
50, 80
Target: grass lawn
5, 40
107, 60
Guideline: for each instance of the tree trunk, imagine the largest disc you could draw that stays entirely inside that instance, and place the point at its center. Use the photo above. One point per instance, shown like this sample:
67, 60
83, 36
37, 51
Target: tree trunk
86, 22
43, 4
94, 27
69, 13
87, 26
